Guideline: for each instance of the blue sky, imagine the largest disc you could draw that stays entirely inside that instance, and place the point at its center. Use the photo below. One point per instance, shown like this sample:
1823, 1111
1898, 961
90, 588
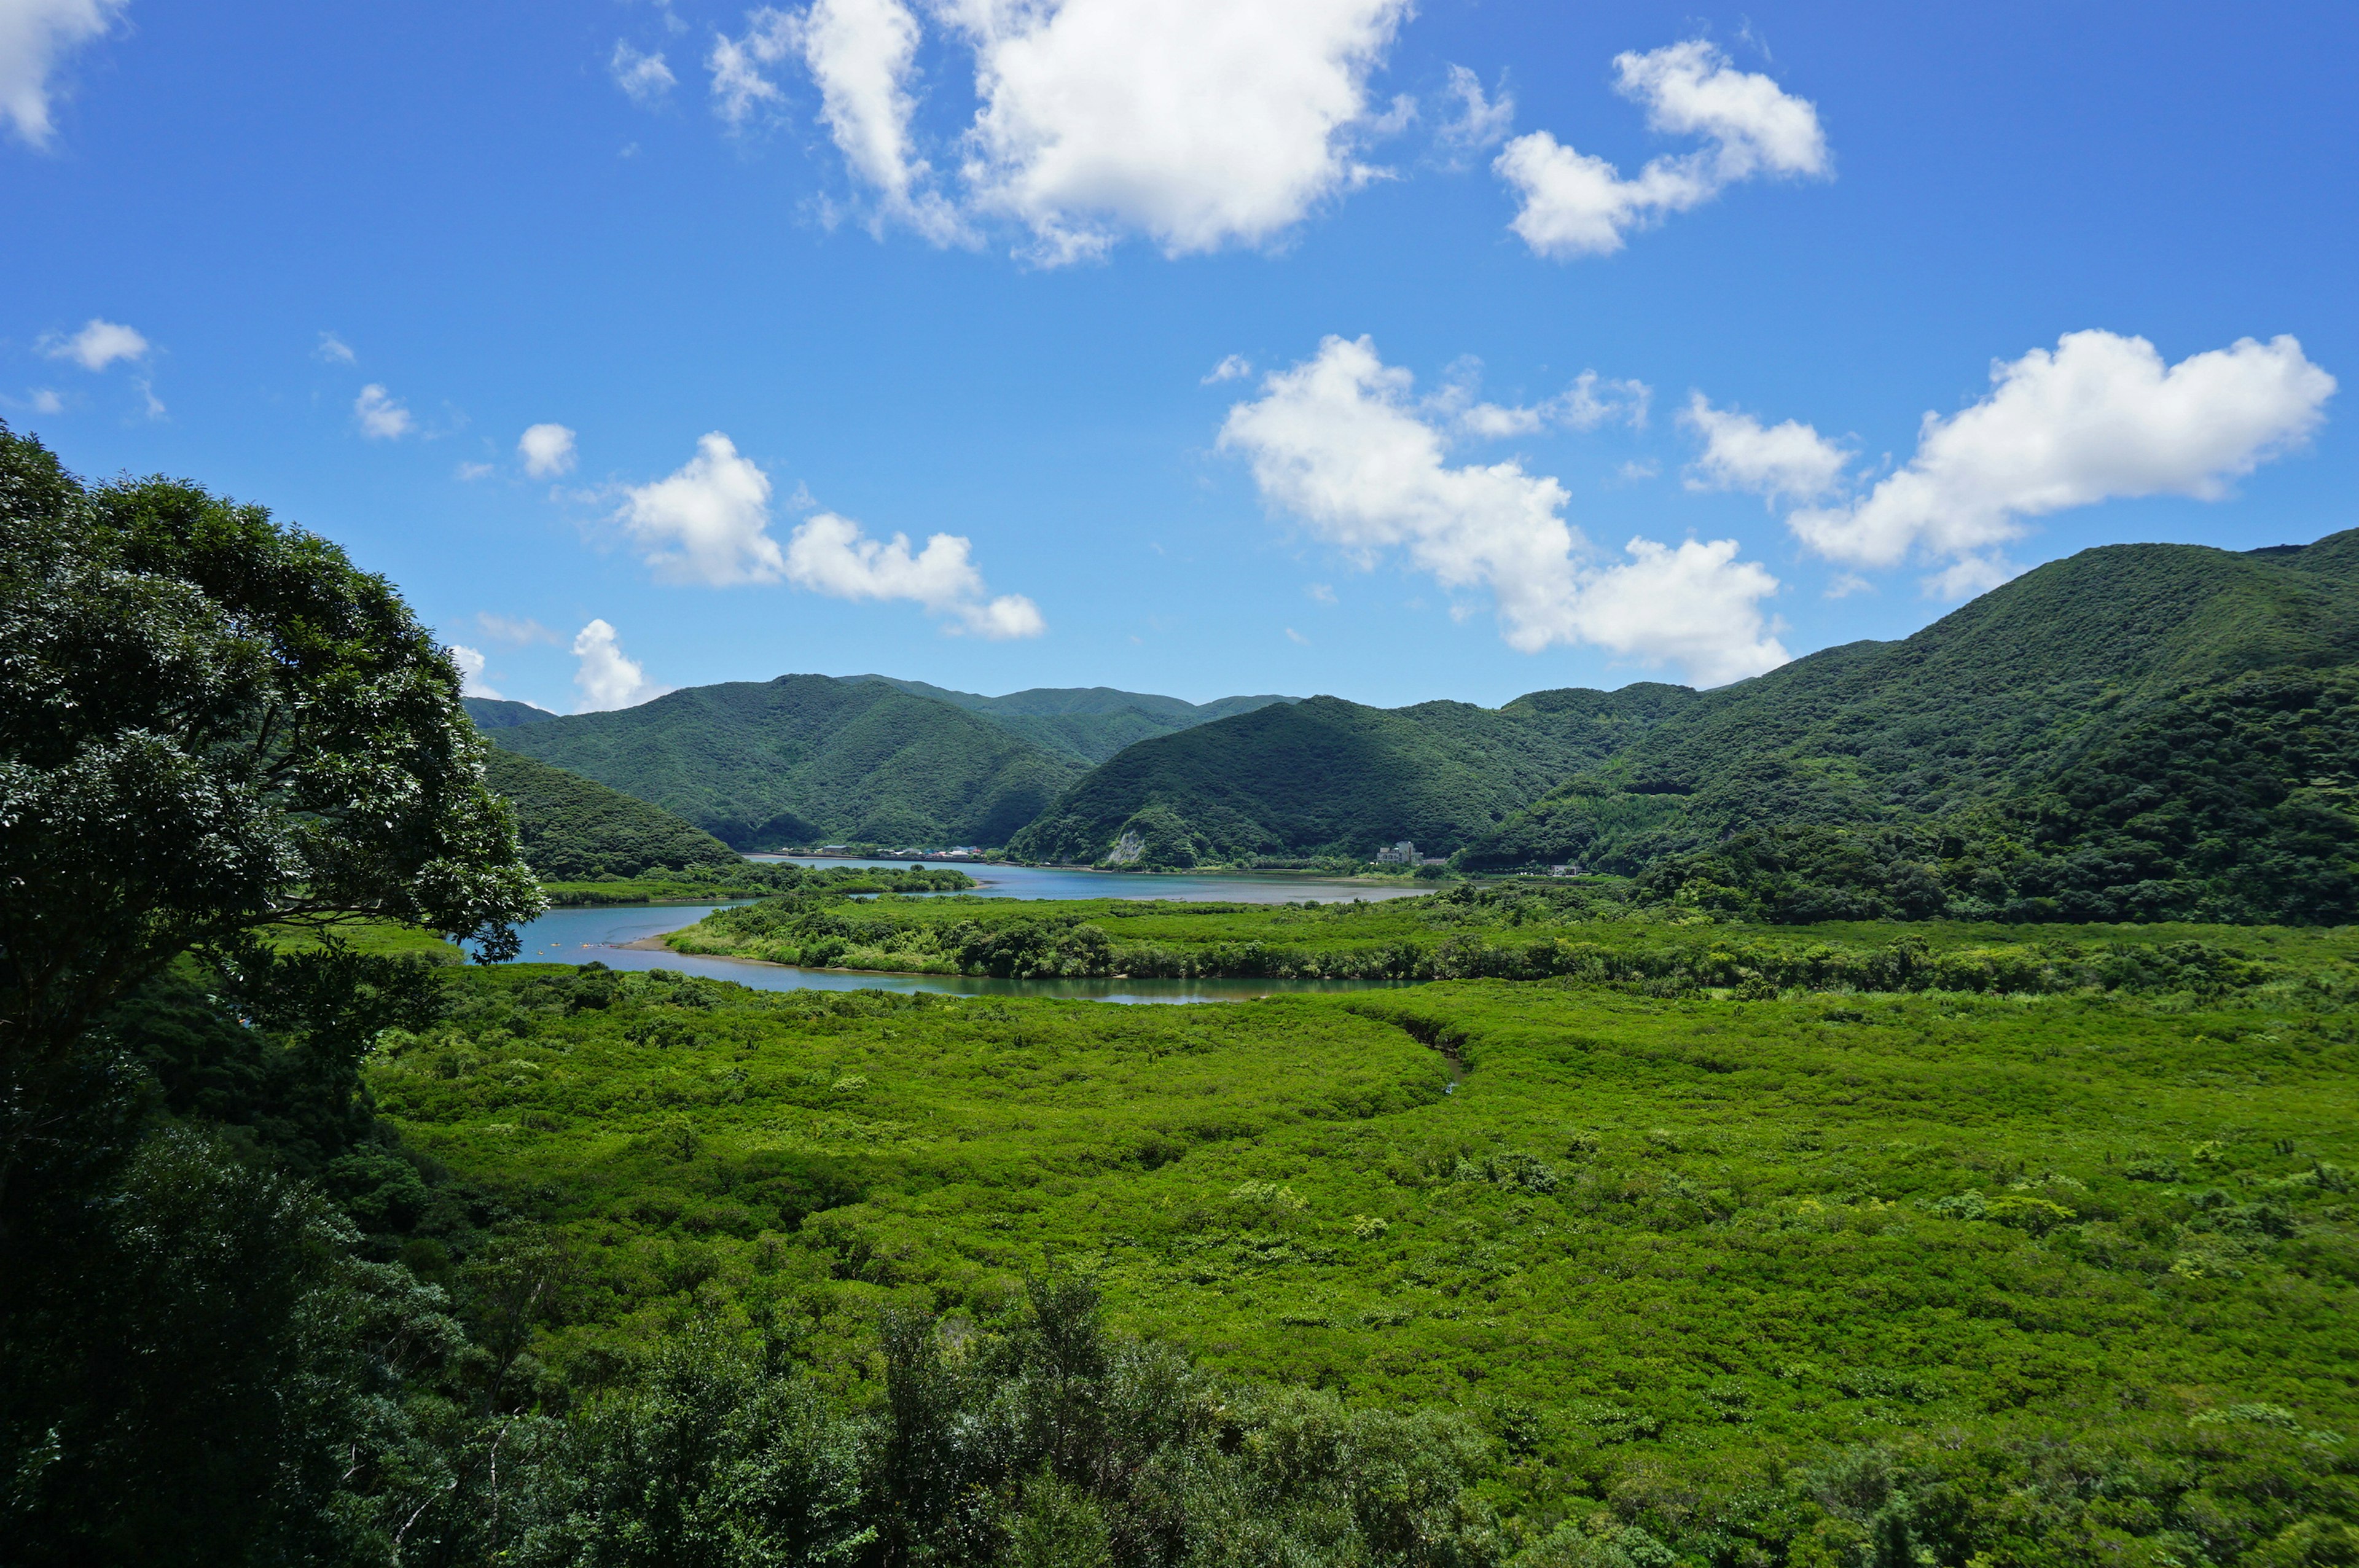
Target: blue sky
972, 269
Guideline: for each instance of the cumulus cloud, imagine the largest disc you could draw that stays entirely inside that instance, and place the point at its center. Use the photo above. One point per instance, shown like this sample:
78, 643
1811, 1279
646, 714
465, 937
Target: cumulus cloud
738, 85
645, 78
1575, 204
708, 523
98, 345
35, 38
47, 401
832, 555
2100, 417
604, 677
334, 350
547, 451
1339, 442
381, 415
1197, 122
1232, 367
1790, 459
470, 664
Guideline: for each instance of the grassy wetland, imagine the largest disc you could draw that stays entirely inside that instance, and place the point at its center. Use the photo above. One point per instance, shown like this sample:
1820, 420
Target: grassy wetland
1739, 1275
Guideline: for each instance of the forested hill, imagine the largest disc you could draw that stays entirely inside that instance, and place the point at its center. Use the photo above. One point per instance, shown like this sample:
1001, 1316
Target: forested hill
810, 758
576, 829
498, 713
2137, 731
1332, 776
1088, 724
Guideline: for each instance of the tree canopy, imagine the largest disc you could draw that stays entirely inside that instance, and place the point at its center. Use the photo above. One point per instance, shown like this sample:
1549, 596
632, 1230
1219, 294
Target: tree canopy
211, 723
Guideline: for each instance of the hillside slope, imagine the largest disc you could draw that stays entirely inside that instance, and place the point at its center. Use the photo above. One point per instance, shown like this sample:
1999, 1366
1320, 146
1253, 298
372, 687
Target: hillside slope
576, 829
2201, 691
1088, 724
1330, 776
499, 713
810, 758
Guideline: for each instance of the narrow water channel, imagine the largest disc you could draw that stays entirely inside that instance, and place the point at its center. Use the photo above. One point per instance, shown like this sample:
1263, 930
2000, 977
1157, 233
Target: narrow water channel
584, 936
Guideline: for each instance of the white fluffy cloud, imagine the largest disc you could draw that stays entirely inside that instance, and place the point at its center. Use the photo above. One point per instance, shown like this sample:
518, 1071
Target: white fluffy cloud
709, 522
334, 351
99, 343
604, 677
470, 664
1197, 122
2100, 417
381, 415
35, 36
862, 53
644, 77
1575, 204
1339, 442
1790, 459
547, 451
832, 555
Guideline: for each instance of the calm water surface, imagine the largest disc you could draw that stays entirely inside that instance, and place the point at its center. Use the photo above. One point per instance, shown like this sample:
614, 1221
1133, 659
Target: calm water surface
1209, 887
581, 936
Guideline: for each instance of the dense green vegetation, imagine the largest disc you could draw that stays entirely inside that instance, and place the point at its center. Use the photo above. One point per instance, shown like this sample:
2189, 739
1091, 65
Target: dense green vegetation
808, 759
575, 830
1330, 776
750, 879
1542, 931
1088, 724
2141, 731
1828, 1279
499, 713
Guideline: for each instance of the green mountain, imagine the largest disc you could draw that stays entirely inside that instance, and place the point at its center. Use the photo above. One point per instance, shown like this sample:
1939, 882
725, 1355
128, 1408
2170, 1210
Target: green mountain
499, 713
1330, 776
806, 759
1088, 724
2139, 730
575, 830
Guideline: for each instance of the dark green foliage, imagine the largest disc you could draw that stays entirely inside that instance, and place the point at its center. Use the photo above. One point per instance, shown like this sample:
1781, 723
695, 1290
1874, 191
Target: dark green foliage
809, 760
210, 723
713, 1456
1086, 724
574, 829
2223, 800
2138, 733
498, 713
1329, 775
184, 1332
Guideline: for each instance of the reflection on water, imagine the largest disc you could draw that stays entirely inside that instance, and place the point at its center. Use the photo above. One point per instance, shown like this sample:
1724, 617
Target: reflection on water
583, 935
1189, 887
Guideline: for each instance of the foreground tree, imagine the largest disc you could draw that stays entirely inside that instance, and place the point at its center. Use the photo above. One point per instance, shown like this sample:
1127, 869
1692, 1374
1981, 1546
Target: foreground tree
209, 724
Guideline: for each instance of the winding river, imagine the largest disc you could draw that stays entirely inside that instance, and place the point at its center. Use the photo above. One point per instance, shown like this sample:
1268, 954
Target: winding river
608, 935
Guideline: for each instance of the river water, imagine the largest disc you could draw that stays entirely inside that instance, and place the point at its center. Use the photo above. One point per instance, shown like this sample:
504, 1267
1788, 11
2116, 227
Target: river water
583, 935
1188, 887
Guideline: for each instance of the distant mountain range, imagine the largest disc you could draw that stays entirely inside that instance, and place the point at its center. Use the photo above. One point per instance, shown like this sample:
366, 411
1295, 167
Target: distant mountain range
2135, 732
865, 759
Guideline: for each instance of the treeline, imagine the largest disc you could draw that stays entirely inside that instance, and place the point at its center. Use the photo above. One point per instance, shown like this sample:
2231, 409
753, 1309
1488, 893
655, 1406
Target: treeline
742, 878
1679, 961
